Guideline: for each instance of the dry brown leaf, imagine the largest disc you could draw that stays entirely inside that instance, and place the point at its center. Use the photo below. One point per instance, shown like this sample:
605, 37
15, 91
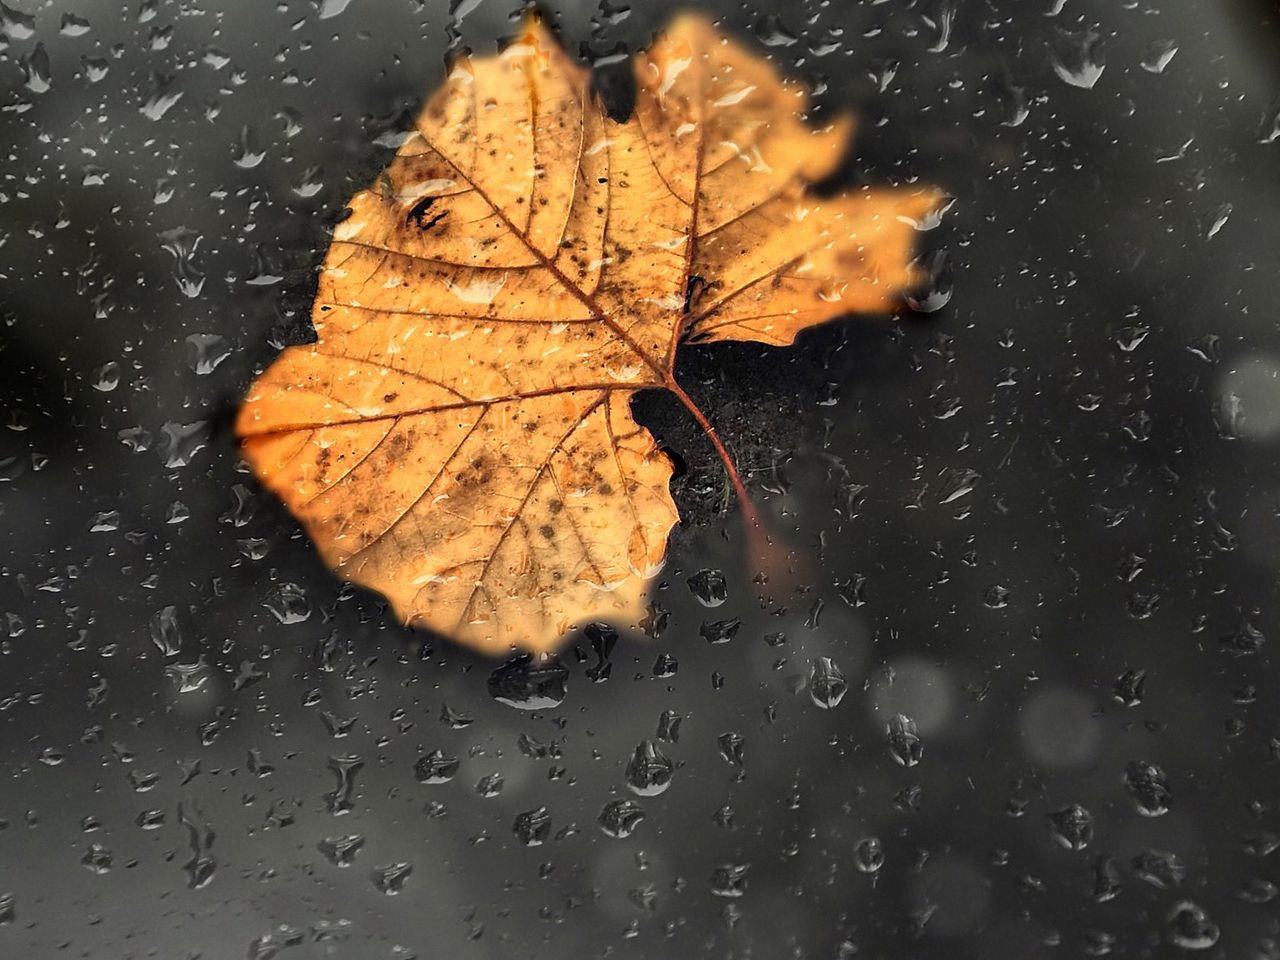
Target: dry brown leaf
459, 437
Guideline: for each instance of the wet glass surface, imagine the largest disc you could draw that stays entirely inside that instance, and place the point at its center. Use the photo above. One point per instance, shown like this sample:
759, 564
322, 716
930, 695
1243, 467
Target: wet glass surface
1020, 704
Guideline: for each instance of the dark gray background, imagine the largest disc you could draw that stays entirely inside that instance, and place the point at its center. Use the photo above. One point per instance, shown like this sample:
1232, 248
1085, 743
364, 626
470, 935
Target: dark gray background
1104, 378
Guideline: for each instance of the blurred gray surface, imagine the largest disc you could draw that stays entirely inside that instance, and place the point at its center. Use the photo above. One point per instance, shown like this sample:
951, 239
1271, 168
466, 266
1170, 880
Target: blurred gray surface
1064, 474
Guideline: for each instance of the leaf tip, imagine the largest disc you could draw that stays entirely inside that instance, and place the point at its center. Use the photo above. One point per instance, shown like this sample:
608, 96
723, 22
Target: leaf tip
535, 29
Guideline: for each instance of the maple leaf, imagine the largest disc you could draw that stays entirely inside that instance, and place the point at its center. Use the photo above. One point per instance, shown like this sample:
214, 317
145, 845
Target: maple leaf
459, 437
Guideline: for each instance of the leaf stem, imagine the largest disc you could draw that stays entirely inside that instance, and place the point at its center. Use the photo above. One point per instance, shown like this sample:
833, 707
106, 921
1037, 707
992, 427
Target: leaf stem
739, 488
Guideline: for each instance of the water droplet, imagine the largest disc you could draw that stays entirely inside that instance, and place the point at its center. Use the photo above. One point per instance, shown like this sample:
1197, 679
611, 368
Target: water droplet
772, 32
36, 70
709, 587
957, 482
97, 859
339, 800
1106, 879
107, 377
1245, 640
490, 785
390, 879
532, 827
1077, 58
1129, 686
161, 98
649, 771
669, 726
1269, 127
940, 23
454, 719
619, 818
52, 756
165, 632
827, 685
529, 683
603, 638
95, 68
268, 946
1158, 55
934, 289
882, 73
202, 866
1159, 868
137, 439
180, 442
868, 855
904, 741
288, 602
248, 155
331, 8
732, 747
341, 851
535, 749
996, 596
1218, 220
16, 24
436, 767
1190, 927
205, 351
729, 880
720, 631
1257, 890
1016, 103
188, 677
1149, 787
143, 781
73, 26
181, 243
309, 183
1072, 827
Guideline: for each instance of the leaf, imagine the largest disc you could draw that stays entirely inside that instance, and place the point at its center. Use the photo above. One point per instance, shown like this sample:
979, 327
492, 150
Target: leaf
459, 437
